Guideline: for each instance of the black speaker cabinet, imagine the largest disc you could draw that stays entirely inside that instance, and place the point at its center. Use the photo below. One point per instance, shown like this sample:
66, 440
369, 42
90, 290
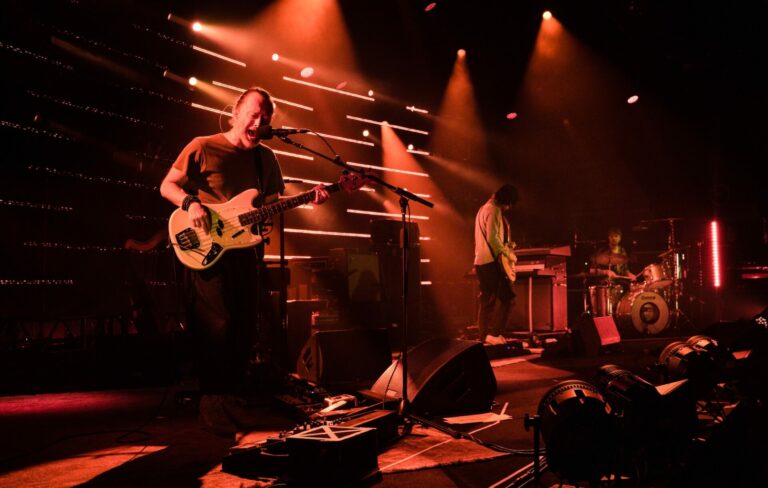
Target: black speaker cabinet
542, 300
445, 377
347, 357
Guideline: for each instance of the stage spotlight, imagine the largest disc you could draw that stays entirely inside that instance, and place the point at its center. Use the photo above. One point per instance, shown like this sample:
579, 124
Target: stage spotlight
721, 357
633, 99
461, 53
579, 433
546, 15
430, 7
192, 81
683, 361
275, 57
307, 72
511, 115
197, 26
366, 133
370, 93
410, 147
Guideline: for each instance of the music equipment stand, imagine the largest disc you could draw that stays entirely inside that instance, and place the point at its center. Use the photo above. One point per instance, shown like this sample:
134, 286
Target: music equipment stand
405, 198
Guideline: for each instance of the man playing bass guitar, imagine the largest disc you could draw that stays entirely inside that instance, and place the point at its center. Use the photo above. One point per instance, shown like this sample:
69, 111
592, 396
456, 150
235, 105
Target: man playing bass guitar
221, 299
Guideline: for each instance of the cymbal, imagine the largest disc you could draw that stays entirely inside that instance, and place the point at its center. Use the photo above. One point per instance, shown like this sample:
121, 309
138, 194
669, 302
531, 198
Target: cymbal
674, 250
607, 259
582, 275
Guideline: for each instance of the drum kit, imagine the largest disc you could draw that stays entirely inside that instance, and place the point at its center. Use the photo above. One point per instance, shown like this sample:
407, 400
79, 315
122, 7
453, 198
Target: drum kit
647, 304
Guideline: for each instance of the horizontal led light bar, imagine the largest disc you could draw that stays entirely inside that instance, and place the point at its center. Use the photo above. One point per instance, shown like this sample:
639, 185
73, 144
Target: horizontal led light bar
382, 123
211, 109
293, 155
241, 90
291, 179
416, 151
288, 258
326, 233
328, 88
425, 238
355, 141
426, 283
384, 214
425, 260
413, 108
394, 170
217, 55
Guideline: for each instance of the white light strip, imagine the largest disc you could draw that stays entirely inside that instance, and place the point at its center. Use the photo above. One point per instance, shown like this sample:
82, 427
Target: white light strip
339, 138
416, 151
425, 238
381, 168
293, 155
277, 256
293, 104
217, 55
241, 90
231, 87
326, 233
328, 88
384, 214
413, 108
423, 195
426, 283
314, 182
425, 260
210, 109
376, 122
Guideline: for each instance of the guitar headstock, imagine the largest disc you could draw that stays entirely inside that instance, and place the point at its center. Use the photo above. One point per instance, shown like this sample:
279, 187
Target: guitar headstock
353, 181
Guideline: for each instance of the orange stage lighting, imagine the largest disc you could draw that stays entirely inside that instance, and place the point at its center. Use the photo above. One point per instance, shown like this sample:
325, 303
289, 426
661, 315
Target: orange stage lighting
546, 15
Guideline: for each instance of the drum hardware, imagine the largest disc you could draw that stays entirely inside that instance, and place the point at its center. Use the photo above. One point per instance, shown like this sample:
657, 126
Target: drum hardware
667, 276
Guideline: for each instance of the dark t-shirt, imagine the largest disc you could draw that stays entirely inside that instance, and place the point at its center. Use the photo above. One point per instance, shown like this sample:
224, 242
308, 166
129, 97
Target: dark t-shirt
217, 170
619, 269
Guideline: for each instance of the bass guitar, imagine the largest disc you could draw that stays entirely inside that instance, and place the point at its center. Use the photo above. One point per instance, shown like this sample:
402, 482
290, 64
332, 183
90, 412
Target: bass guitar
507, 262
234, 224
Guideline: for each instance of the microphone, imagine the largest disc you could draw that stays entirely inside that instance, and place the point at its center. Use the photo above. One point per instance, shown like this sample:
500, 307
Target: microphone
268, 132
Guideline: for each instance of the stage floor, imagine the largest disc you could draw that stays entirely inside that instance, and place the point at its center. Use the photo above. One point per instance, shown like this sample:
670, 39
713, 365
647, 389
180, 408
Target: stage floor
144, 437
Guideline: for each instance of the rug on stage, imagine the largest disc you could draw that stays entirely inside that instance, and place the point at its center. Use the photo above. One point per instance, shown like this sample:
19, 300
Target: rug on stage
426, 448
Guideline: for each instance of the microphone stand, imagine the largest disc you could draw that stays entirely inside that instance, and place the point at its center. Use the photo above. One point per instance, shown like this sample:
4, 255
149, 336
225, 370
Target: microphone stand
405, 197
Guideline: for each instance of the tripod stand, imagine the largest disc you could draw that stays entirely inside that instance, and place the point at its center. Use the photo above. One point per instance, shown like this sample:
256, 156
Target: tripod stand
405, 198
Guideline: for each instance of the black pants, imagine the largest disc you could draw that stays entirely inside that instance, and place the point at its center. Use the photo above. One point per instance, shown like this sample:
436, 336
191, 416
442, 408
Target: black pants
496, 296
224, 305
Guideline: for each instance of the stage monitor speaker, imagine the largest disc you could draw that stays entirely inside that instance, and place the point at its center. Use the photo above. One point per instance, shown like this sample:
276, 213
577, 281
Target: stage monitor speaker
445, 377
592, 333
347, 357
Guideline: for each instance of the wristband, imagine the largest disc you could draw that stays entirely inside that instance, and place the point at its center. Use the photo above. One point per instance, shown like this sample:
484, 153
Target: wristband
188, 200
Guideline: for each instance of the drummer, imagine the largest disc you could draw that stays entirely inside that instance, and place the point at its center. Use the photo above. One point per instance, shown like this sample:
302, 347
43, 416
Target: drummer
612, 261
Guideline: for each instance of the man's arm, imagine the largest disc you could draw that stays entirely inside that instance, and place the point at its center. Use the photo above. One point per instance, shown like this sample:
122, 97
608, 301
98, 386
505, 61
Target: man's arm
172, 188
495, 228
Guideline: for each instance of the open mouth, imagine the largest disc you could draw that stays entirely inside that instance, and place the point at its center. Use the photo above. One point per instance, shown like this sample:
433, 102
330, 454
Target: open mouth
252, 133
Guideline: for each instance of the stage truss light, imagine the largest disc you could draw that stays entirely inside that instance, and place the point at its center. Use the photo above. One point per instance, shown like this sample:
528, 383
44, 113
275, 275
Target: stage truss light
275, 57
197, 26
579, 433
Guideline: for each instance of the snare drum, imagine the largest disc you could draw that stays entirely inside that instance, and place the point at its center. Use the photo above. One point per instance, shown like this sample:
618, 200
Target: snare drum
644, 310
655, 277
604, 299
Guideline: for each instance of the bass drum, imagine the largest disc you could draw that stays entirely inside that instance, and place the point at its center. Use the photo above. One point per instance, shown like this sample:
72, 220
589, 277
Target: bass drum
646, 311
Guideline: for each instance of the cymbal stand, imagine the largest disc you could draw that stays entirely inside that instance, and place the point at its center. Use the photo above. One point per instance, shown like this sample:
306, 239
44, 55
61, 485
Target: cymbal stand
676, 288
